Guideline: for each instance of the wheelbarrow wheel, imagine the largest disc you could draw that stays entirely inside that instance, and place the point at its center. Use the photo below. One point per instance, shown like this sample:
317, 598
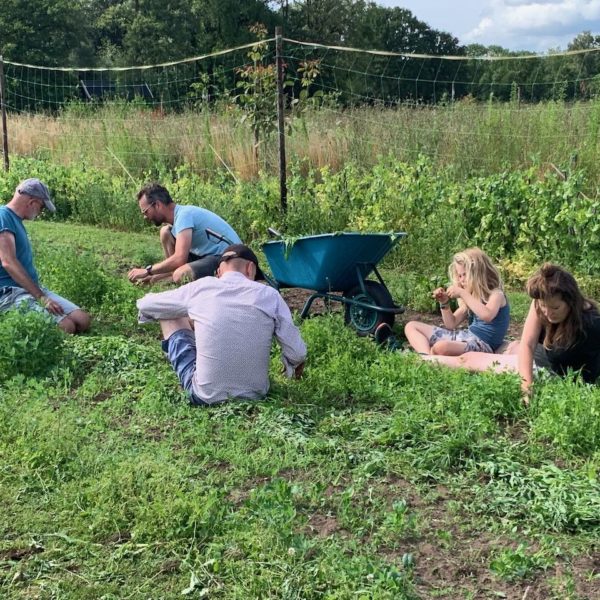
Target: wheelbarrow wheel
365, 320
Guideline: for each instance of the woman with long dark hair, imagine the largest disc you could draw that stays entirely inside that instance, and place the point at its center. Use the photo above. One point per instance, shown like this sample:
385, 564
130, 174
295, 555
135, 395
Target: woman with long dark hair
562, 329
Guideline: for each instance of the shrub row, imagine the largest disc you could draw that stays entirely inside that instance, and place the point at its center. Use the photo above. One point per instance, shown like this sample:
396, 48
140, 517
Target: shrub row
529, 213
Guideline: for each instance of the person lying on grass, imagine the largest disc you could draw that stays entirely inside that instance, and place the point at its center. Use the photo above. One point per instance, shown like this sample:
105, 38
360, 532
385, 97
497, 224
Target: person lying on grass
227, 353
477, 286
19, 282
189, 252
561, 333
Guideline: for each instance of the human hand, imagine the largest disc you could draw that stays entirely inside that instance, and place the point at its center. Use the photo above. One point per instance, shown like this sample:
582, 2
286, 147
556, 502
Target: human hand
455, 291
440, 295
299, 371
526, 391
51, 306
138, 275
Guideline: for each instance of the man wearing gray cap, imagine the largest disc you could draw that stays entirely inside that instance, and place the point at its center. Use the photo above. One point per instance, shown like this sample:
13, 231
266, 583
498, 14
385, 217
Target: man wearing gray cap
227, 353
19, 282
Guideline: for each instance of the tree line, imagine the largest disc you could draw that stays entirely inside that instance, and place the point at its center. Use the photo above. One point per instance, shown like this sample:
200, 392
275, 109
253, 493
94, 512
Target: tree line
117, 33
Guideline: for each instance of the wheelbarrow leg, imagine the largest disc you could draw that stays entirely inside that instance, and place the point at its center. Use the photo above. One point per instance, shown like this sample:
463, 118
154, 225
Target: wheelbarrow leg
308, 304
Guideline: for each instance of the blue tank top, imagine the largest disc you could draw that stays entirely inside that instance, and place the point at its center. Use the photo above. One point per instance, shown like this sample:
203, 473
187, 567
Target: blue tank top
491, 333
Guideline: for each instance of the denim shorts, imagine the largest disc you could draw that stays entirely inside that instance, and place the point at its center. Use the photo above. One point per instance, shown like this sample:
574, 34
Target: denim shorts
181, 351
474, 344
11, 297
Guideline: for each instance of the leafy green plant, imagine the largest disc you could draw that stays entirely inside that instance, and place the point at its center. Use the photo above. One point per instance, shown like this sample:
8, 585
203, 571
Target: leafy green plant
568, 417
511, 564
76, 276
258, 85
31, 344
559, 500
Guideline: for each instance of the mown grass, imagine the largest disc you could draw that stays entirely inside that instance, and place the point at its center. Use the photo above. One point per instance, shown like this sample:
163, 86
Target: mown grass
375, 476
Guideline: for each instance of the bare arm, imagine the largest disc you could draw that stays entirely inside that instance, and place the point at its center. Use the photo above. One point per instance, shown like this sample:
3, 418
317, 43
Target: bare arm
293, 349
9, 260
486, 312
453, 319
529, 340
183, 244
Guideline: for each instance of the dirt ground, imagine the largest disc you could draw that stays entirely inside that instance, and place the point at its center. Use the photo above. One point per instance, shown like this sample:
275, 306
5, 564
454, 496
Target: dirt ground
460, 569
296, 297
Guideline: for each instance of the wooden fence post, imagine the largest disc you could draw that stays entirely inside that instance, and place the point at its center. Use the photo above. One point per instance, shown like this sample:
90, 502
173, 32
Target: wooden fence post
3, 109
281, 119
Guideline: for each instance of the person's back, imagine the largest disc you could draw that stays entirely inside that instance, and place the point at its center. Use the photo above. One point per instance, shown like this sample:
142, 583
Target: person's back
234, 332
199, 219
227, 353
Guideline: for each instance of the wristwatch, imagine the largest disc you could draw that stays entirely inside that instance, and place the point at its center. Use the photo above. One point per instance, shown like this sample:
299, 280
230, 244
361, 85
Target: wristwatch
149, 269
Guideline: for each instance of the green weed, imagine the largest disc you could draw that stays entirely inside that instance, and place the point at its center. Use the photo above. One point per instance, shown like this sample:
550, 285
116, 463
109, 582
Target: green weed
31, 344
335, 486
517, 563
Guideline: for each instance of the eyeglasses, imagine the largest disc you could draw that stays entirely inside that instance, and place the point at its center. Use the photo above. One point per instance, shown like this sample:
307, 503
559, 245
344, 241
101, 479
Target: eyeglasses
145, 210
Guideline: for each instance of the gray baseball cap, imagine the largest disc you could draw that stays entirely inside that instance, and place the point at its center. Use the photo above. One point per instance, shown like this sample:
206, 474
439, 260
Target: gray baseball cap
36, 188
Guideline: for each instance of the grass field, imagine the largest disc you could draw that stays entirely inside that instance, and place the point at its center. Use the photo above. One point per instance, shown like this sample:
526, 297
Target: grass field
473, 138
375, 476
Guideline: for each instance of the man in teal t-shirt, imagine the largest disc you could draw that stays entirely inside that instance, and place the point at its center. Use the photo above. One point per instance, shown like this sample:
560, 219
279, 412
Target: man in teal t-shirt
19, 281
190, 251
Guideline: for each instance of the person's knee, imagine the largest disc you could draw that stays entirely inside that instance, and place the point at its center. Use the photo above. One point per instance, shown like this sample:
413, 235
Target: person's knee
68, 325
83, 321
512, 348
166, 235
183, 274
76, 322
410, 327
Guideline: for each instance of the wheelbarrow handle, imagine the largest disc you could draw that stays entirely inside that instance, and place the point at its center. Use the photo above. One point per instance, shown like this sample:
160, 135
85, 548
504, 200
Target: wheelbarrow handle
274, 233
211, 233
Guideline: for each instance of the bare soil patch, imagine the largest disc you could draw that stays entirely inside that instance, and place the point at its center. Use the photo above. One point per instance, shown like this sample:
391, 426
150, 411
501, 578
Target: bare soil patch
296, 298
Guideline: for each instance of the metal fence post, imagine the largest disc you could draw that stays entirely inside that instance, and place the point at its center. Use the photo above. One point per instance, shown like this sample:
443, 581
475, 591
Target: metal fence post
281, 119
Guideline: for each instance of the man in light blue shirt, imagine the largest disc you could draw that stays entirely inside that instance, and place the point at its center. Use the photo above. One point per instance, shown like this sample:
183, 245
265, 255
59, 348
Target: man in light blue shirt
190, 251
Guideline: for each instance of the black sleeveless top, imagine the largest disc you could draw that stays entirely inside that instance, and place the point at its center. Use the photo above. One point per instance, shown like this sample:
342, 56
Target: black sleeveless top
583, 355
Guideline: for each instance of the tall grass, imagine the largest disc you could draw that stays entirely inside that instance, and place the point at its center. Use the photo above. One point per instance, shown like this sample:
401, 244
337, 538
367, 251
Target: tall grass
469, 136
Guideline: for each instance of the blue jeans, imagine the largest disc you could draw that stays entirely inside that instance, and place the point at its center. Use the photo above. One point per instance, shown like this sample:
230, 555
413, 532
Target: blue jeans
181, 351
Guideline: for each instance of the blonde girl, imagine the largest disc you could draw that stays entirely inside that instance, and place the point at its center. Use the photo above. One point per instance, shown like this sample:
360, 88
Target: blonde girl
477, 286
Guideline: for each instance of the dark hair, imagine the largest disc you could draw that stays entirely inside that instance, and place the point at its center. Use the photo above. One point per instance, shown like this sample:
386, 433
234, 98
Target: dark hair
154, 193
552, 280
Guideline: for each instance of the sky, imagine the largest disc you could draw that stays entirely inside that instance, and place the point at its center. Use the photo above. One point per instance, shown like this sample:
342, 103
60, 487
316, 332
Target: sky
536, 25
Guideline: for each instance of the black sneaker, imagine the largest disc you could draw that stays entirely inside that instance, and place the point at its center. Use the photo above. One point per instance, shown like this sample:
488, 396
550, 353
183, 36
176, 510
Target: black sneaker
382, 334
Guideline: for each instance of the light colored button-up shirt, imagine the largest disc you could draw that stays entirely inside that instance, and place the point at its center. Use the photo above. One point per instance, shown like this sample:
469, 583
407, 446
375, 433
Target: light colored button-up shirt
235, 320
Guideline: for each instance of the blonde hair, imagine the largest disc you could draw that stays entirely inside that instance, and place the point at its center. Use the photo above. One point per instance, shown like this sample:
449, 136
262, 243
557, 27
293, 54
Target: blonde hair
482, 277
